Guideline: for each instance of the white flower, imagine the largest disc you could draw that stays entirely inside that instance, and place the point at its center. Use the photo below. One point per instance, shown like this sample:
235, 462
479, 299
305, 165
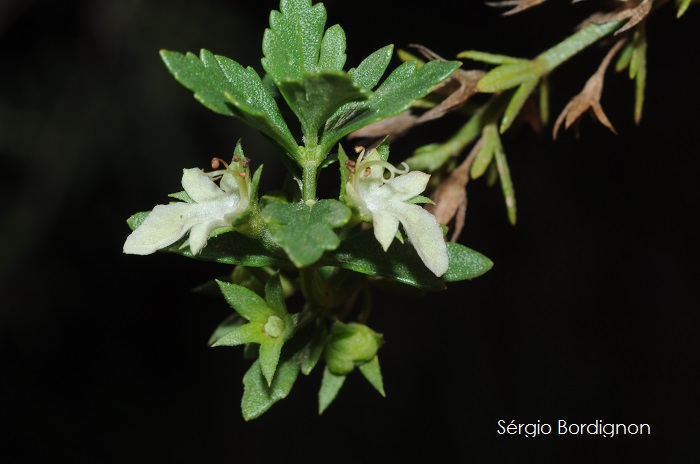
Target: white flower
385, 201
213, 206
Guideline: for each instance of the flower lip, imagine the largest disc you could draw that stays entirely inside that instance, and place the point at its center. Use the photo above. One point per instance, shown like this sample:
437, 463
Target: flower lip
213, 206
385, 201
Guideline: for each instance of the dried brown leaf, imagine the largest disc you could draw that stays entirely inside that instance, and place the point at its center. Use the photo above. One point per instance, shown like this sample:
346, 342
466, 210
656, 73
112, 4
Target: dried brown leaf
634, 11
589, 98
518, 5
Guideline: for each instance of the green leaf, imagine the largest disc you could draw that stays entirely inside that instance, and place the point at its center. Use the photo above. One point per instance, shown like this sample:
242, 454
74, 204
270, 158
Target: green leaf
682, 7
245, 302
489, 140
638, 69
506, 182
373, 374
465, 263
228, 88
517, 101
292, 44
362, 253
290, 222
372, 68
274, 295
408, 83
330, 386
490, 58
258, 396
270, 324
226, 326
316, 96
312, 350
625, 57
507, 76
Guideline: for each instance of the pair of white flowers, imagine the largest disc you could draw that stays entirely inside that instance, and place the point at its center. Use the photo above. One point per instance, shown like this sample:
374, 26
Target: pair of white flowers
384, 201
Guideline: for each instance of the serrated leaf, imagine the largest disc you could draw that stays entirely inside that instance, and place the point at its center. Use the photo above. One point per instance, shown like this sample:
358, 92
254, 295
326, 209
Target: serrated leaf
274, 295
465, 263
228, 88
316, 96
245, 302
291, 45
373, 373
332, 53
330, 386
362, 253
227, 325
258, 396
408, 83
304, 231
372, 68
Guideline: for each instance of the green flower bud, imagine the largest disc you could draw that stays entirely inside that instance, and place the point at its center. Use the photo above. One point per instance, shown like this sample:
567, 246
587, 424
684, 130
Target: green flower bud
351, 345
274, 327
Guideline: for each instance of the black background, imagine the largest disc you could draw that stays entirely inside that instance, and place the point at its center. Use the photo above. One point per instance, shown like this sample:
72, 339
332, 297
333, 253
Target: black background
590, 311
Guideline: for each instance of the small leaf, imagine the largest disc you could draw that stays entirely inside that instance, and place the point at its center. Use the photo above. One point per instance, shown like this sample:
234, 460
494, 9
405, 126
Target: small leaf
682, 7
623, 61
258, 396
227, 325
373, 374
465, 263
372, 68
489, 140
330, 386
408, 83
638, 69
362, 253
315, 223
292, 43
490, 58
245, 302
516, 102
317, 96
225, 87
274, 295
506, 182
311, 352
507, 76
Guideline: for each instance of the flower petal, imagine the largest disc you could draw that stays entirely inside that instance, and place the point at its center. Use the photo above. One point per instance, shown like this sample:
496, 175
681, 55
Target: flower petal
163, 226
385, 227
199, 186
407, 186
425, 234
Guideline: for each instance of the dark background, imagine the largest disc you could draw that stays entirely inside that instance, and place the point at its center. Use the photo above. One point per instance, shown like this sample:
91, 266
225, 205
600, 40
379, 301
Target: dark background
590, 311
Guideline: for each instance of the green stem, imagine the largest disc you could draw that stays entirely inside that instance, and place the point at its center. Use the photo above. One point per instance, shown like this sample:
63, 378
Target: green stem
547, 61
308, 182
309, 284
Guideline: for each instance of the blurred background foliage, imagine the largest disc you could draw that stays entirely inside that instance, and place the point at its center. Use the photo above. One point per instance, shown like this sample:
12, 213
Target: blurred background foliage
589, 312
